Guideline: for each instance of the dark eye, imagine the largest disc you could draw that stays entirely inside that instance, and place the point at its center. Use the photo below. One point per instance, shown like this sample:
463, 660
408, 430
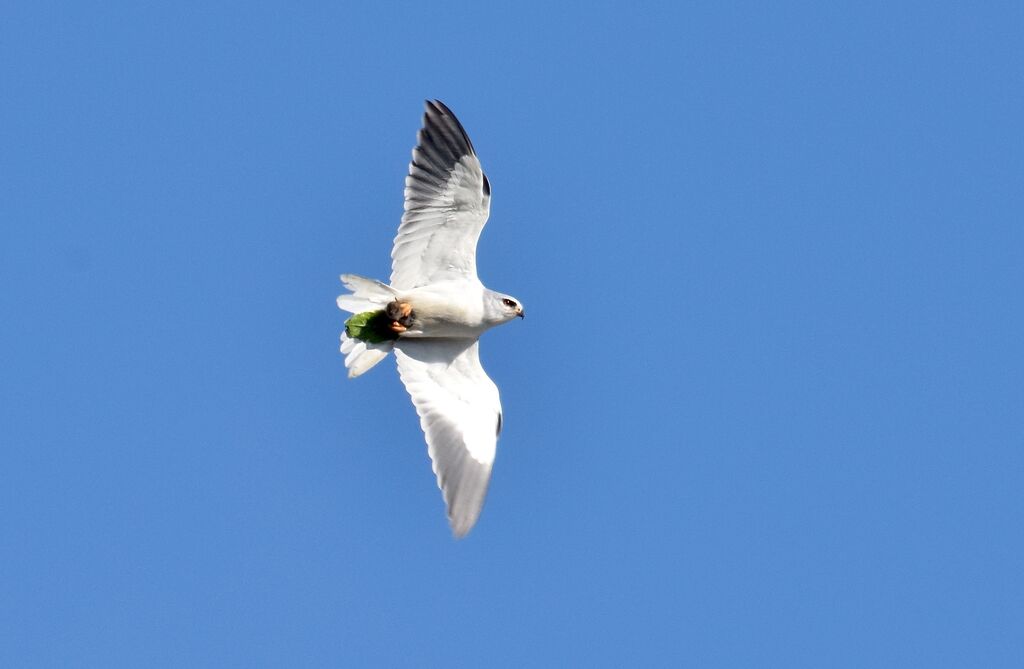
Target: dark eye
508, 303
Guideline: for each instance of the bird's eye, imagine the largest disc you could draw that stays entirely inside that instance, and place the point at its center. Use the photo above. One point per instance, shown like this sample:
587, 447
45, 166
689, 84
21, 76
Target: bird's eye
508, 303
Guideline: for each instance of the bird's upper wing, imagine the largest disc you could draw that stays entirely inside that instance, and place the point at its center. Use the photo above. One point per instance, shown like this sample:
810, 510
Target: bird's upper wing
460, 413
447, 200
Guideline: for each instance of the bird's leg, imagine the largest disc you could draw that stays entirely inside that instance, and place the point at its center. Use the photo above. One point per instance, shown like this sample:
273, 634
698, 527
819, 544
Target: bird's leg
401, 315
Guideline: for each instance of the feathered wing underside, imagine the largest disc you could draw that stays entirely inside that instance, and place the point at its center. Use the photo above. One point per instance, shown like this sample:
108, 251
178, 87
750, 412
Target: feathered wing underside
447, 200
460, 413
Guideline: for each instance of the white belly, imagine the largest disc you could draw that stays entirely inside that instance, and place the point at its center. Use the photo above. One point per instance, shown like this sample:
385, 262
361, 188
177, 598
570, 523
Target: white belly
447, 309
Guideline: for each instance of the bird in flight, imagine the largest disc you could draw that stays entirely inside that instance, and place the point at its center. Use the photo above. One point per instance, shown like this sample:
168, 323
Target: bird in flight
434, 311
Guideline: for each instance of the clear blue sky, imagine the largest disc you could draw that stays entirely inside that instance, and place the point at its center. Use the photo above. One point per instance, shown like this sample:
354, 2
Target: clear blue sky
767, 408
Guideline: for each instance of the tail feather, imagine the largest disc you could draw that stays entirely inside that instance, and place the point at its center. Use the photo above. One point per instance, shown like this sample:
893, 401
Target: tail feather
360, 356
367, 295
365, 292
357, 305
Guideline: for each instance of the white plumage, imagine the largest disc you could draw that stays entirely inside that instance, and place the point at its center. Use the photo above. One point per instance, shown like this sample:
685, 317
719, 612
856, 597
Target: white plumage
446, 309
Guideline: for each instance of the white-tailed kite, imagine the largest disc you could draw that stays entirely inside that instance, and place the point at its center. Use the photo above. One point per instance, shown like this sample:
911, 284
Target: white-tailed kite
435, 310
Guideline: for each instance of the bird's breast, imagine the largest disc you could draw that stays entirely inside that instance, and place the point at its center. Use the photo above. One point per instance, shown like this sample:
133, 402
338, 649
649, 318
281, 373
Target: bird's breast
446, 310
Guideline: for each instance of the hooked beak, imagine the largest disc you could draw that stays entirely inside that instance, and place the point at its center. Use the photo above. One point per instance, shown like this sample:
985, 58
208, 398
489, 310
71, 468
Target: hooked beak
520, 312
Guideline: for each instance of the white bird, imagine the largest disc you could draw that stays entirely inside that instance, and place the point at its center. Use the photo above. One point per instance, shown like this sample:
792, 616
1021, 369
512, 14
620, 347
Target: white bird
434, 311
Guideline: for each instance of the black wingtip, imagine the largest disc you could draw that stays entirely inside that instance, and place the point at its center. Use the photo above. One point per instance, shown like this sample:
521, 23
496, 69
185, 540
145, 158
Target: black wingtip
438, 108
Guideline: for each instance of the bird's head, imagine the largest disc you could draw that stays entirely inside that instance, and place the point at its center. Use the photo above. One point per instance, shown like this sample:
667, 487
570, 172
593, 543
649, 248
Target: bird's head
503, 308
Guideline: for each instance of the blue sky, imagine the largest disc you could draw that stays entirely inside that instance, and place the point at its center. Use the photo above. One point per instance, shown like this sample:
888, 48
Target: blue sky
767, 408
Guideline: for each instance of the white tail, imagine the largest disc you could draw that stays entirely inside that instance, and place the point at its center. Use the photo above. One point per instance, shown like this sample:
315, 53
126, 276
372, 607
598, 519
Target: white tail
361, 356
367, 295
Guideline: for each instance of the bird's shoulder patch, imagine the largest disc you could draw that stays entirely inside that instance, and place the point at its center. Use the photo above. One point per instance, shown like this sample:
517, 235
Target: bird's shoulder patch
373, 327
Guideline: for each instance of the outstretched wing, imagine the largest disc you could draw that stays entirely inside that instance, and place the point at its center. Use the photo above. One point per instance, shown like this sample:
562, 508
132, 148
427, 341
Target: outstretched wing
460, 413
447, 200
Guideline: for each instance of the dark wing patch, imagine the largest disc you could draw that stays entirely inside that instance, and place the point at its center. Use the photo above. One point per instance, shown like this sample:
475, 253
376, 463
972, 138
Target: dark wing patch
441, 144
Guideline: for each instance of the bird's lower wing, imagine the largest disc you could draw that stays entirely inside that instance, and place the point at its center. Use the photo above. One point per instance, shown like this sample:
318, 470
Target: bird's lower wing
460, 413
